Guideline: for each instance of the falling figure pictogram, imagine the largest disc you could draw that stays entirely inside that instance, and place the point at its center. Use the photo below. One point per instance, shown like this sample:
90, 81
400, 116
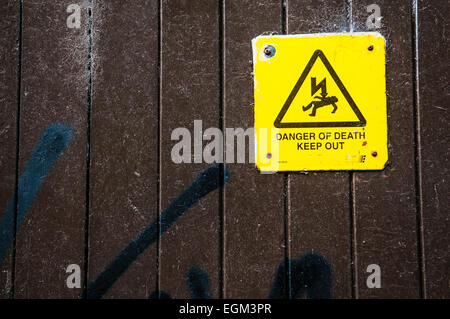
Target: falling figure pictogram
323, 100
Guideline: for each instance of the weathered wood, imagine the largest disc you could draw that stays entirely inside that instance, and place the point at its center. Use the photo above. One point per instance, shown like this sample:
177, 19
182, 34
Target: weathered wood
253, 202
189, 91
385, 202
124, 140
9, 55
237, 235
433, 102
319, 213
54, 90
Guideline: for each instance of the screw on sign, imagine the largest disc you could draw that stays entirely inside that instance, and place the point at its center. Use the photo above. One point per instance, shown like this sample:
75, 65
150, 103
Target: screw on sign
269, 51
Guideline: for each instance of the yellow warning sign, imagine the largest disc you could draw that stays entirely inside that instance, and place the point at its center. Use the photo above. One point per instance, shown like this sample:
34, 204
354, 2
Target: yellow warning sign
320, 102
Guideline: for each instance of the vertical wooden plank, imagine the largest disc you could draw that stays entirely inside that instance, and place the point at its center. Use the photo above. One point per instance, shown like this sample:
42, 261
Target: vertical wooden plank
189, 91
9, 55
385, 202
253, 202
434, 118
54, 90
319, 212
124, 140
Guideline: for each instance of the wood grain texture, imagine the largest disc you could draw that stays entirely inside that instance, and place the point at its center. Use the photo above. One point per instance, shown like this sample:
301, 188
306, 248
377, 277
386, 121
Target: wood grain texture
124, 140
158, 65
9, 55
385, 202
189, 91
433, 103
54, 89
319, 212
253, 202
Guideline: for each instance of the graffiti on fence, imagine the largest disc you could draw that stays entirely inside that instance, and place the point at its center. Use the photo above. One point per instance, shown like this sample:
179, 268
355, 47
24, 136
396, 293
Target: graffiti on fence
51, 145
207, 181
311, 273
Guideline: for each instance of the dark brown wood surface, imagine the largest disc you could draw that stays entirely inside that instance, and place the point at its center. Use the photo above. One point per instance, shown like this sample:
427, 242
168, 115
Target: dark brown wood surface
158, 65
9, 49
254, 238
385, 212
433, 147
189, 91
124, 140
319, 216
54, 89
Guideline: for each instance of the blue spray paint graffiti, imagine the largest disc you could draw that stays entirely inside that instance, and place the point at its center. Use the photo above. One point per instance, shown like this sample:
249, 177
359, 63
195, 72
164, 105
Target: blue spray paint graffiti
310, 274
51, 145
206, 182
198, 283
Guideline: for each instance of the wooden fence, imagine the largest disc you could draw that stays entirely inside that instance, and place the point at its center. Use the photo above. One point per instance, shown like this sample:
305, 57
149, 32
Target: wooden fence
85, 132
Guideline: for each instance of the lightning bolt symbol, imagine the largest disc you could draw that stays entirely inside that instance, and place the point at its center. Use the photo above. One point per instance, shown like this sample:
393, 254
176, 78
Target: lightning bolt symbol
321, 86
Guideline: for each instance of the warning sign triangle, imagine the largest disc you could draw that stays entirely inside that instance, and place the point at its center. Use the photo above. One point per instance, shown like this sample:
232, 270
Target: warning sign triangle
312, 104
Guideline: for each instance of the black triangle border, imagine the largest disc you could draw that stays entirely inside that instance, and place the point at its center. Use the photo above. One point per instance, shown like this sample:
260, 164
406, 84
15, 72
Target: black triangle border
292, 95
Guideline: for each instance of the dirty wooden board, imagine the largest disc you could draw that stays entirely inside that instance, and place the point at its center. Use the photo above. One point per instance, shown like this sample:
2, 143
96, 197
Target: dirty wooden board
54, 89
189, 91
385, 202
319, 218
9, 55
253, 202
433, 103
124, 140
